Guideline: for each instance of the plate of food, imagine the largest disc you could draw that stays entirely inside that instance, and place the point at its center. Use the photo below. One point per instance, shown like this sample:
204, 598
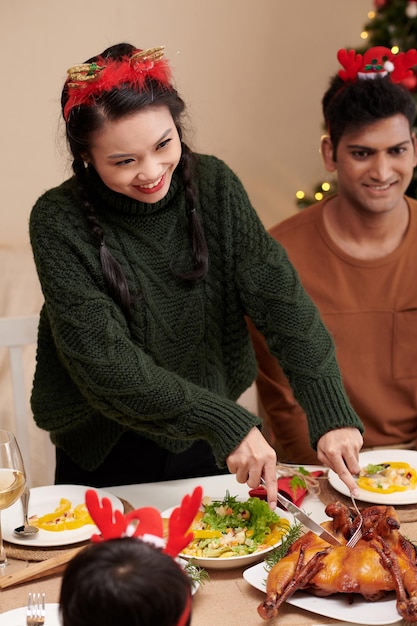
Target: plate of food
59, 512
231, 532
386, 477
17, 617
338, 606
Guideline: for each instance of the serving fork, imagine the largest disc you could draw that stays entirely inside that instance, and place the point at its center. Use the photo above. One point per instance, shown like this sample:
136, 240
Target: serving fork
358, 532
35, 612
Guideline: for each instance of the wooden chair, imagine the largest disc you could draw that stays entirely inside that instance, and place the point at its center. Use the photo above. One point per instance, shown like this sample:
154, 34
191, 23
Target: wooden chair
15, 334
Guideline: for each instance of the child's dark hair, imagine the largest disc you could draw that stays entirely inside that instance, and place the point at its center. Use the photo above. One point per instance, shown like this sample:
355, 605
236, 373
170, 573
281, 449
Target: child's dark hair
118, 102
352, 105
123, 581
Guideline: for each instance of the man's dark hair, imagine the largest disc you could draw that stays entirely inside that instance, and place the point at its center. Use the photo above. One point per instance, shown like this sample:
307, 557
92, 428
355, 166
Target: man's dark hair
350, 106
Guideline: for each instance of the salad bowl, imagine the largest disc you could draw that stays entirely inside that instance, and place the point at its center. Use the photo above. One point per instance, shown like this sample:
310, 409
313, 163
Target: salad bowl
203, 552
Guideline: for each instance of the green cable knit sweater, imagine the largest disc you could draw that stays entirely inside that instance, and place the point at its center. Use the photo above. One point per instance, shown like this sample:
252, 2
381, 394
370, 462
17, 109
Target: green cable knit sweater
175, 372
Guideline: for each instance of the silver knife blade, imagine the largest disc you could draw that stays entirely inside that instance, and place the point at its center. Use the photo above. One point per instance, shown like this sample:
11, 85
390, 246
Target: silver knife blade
306, 520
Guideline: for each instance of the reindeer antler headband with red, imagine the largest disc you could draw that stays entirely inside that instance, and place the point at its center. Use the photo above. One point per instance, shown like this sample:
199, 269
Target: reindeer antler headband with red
146, 523
376, 62
89, 80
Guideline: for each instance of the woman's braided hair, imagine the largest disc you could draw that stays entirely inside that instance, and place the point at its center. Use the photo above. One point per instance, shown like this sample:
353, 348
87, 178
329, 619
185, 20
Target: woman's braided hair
85, 120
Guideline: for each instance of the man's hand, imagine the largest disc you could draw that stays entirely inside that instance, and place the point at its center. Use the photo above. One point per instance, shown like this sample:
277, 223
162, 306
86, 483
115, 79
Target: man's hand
339, 450
252, 459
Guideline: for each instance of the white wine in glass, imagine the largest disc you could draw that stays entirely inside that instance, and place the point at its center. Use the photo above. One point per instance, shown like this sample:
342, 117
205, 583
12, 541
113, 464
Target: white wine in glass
12, 478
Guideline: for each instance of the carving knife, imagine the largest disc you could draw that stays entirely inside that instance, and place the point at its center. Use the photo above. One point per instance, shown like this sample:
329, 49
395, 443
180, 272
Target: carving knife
306, 520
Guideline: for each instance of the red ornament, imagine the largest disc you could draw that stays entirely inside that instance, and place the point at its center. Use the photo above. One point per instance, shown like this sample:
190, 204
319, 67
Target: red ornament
380, 4
411, 9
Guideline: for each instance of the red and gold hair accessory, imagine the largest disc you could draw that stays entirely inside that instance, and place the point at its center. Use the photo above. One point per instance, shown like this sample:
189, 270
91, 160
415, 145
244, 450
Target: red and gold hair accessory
89, 80
146, 523
376, 62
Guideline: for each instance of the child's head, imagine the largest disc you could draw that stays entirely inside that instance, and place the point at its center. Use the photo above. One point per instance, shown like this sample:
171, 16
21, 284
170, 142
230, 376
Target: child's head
364, 92
129, 574
124, 581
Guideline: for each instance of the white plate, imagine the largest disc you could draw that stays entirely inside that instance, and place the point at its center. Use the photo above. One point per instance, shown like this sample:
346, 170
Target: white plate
337, 607
17, 617
376, 457
45, 500
232, 562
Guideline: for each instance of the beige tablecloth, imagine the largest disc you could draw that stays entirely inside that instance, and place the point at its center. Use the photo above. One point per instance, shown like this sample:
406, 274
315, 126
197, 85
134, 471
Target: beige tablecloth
226, 599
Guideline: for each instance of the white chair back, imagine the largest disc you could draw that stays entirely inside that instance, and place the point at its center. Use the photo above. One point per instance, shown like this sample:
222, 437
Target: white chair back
15, 333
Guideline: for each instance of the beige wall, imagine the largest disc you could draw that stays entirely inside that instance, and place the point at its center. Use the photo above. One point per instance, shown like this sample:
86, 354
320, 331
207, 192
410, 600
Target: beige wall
251, 71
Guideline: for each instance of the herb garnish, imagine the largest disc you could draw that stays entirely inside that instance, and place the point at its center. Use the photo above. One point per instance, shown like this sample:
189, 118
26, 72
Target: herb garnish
197, 574
294, 533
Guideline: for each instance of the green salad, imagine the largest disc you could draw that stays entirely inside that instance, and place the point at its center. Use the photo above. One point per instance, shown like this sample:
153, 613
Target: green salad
229, 527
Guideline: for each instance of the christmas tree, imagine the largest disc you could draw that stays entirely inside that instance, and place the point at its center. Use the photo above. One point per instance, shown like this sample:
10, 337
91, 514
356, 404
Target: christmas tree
392, 24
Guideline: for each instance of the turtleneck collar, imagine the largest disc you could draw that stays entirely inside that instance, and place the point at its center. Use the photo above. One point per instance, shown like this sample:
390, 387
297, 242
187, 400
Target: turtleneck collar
123, 204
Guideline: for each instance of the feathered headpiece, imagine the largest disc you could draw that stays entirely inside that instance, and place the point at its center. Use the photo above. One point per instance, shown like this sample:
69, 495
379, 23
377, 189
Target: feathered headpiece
89, 80
146, 523
376, 62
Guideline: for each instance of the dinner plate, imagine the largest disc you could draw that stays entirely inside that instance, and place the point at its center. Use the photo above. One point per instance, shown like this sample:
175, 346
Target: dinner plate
17, 617
232, 562
337, 606
45, 500
376, 457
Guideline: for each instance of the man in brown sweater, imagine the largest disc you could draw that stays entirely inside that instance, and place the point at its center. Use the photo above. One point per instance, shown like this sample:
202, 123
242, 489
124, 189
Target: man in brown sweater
356, 253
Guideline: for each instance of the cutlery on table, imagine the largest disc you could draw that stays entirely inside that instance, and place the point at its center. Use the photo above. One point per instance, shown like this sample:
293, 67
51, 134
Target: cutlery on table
35, 612
358, 532
26, 530
305, 519
380, 468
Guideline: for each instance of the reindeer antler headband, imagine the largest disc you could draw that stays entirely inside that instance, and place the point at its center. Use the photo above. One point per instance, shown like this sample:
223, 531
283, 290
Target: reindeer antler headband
146, 523
89, 80
376, 62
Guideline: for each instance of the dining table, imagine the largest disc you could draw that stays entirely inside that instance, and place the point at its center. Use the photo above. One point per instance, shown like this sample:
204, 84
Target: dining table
225, 598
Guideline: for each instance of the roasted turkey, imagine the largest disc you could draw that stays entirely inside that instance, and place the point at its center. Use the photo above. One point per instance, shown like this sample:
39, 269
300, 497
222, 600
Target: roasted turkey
383, 560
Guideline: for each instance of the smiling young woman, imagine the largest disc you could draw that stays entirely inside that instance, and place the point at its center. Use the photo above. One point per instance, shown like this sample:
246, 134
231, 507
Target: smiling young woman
150, 258
137, 155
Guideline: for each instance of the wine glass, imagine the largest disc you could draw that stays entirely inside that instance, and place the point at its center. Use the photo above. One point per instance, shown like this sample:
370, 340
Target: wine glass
12, 478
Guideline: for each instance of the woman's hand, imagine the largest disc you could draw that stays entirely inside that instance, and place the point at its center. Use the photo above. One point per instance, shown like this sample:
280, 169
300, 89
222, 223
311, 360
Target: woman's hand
252, 459
339, 450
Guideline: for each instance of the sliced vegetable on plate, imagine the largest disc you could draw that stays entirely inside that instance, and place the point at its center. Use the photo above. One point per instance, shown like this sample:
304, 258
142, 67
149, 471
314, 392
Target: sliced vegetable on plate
229, 528
64, 517
388, 477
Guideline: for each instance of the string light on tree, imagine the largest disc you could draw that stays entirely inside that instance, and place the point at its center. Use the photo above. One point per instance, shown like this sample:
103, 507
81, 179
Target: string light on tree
321, 191
411, 9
